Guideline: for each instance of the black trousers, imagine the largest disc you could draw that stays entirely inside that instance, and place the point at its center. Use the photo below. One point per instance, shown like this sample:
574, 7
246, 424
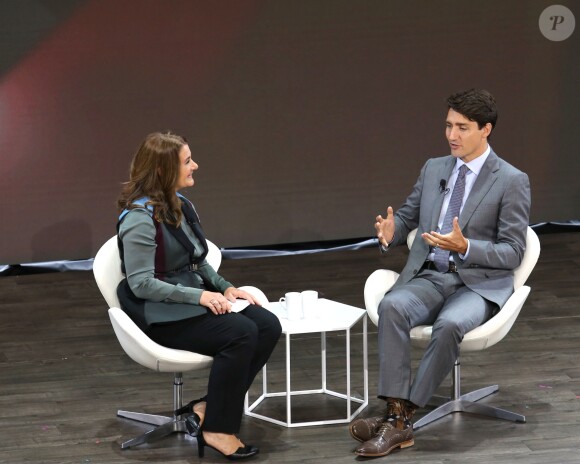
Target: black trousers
240, 344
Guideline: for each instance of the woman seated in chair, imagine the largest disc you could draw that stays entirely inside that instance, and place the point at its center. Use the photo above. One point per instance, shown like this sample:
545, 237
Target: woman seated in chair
179, 300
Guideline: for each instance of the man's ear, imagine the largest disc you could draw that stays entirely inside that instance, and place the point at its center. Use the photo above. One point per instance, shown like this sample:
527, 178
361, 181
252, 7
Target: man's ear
487, 129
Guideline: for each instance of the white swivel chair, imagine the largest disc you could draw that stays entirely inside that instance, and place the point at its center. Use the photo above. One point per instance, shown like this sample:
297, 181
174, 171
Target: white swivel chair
480, 338
143, 350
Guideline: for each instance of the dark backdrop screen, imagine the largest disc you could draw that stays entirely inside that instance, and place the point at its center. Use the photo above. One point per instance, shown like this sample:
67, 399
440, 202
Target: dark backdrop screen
307, 117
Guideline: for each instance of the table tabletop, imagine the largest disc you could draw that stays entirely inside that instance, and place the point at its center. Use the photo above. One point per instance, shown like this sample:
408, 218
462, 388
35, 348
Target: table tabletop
330, 315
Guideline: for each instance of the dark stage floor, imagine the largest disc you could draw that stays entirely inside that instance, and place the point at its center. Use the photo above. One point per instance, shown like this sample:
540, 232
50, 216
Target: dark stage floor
63, 373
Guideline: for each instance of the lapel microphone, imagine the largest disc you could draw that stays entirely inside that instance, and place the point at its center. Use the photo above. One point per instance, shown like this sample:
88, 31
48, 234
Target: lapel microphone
442, 185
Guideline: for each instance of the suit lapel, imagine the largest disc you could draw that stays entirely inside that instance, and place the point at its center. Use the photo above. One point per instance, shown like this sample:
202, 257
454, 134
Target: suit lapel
484, 181
193, 220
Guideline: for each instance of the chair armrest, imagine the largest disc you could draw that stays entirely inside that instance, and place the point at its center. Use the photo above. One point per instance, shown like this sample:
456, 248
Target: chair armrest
494, 330
256, 293
377, 284
214, 255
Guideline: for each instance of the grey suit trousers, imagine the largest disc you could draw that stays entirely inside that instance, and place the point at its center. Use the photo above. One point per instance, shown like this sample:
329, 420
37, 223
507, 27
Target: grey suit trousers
430, 298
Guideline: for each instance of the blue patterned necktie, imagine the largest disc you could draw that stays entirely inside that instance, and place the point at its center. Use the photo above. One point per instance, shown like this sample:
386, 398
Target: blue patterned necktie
441, 257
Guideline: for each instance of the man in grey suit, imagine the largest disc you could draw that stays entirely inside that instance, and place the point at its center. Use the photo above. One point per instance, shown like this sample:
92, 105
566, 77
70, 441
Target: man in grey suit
471, 210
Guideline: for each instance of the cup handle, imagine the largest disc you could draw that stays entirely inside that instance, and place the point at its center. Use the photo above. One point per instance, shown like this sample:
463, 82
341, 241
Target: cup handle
282, 302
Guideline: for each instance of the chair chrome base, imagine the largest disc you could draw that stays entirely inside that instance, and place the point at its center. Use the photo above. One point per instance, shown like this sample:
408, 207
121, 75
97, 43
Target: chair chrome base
466, 403
166, 425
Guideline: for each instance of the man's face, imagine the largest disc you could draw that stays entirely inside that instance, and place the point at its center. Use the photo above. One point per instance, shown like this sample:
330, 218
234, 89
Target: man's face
466, 140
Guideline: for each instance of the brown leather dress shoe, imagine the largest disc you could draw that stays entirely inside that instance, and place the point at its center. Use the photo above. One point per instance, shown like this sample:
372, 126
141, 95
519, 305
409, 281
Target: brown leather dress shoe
365, 429
386, 440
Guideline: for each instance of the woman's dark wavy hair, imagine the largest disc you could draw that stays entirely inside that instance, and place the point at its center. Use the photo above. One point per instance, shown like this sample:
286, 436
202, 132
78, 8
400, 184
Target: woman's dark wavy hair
476, 105
154, 173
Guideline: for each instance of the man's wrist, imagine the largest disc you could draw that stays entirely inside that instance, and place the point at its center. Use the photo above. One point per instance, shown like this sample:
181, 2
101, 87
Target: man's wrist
385, 247
464, 254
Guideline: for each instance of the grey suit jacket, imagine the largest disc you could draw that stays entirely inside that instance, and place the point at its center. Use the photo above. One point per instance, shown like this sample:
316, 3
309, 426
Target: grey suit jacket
494, 219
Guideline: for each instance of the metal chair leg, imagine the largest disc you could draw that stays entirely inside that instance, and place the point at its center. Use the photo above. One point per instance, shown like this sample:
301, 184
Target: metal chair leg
165, 425
152, 419
161, 431
467, 403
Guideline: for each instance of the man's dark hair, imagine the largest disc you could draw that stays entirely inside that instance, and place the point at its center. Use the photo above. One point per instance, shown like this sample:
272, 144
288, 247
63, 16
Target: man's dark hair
476, 105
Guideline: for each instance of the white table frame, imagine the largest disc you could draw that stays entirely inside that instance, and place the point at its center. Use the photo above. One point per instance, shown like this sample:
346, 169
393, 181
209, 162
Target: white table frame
290, 328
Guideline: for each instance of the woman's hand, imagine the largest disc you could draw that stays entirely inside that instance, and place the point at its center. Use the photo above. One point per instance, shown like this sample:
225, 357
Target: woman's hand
216, 302
232, 293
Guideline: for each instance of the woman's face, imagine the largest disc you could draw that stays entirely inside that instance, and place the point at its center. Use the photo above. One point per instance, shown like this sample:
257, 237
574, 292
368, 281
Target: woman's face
186, 168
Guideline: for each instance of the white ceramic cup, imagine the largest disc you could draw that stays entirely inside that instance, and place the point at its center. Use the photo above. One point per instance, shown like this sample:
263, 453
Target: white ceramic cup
292, 303
310, 304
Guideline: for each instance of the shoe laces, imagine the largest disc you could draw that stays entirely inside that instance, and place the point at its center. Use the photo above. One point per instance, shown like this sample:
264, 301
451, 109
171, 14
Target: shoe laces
385, 427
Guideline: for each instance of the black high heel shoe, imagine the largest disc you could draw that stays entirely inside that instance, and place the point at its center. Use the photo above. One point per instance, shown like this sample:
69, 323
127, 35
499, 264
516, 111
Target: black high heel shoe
193, 421
241, 453
188, 408
193, 424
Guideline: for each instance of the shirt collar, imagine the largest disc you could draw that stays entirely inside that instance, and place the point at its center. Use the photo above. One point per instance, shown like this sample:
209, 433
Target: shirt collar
476, 164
